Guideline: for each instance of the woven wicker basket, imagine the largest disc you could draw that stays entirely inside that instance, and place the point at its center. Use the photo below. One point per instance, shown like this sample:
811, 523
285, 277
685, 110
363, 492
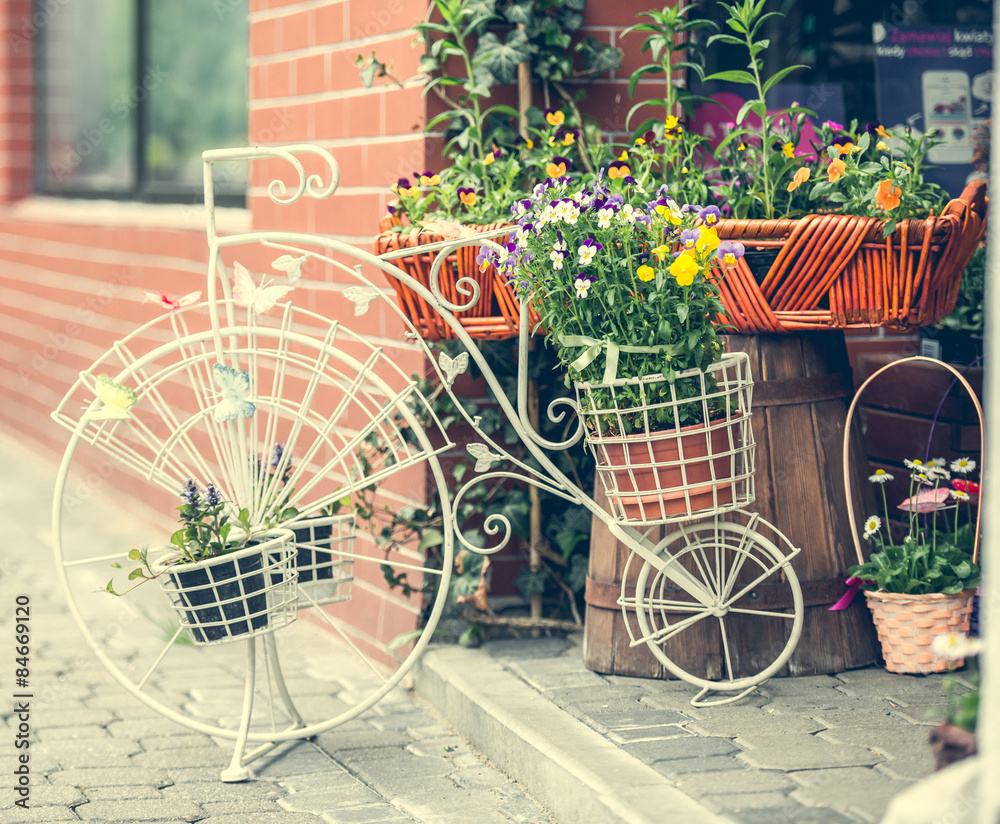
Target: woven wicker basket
838, 272
908, 624
495, 314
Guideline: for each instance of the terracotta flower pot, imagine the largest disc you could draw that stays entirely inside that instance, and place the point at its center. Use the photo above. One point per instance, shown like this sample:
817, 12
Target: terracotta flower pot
907, 625
673, 473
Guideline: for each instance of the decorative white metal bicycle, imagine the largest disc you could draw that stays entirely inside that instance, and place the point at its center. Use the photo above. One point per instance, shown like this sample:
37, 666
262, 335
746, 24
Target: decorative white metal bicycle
279, 406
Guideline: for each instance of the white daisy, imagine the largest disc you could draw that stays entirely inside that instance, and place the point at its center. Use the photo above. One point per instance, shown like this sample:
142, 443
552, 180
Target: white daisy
958, 495
915, 465
880, 477
955, 645
939, 463
963, 466
872, 525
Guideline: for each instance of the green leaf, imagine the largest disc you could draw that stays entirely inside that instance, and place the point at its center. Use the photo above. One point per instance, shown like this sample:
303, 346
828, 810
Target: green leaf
780, 75
502, 59
403, 638
733, 76
724, 38
519, 12
136, 573
682, 312
429, 538
531, 583
134, 555
471, 637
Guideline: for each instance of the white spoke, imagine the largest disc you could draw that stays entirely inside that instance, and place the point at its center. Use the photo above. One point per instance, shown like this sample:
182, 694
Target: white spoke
765, 612
756, 581
160, 657
725, 648
335, 626
670, 631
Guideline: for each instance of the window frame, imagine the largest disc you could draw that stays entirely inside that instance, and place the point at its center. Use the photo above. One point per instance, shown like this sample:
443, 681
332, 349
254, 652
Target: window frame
143, 190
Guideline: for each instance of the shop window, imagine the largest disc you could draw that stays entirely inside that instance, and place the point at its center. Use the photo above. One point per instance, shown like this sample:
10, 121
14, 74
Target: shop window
130, 92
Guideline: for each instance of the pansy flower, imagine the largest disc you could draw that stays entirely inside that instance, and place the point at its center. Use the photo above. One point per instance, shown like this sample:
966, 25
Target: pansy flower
467, 196
789, 150
524, 142
484, 258
710, 215
835, 170
588, 250
801, 176
645, 272
558, 167
730, 251
582, 284
684, 268
887, 196
605, 215
430, 179
619, 169
661, 253
708, 240
570, 137
554, 117
688, 238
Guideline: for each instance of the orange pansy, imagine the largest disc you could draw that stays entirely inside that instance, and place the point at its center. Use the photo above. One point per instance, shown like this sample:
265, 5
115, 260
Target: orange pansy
836, 170
887, 197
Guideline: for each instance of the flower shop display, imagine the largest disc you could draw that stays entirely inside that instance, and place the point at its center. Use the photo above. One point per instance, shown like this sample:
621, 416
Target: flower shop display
922, 585
225, 582
495, 153
850, 233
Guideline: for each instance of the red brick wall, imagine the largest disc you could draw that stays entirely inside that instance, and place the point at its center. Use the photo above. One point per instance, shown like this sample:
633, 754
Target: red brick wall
19, 26
72, 274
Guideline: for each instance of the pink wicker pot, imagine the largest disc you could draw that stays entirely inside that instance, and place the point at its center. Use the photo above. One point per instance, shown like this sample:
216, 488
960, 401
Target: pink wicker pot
907, 625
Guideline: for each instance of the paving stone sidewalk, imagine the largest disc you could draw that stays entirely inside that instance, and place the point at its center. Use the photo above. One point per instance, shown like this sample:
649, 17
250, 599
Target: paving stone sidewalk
98, 754
824, 749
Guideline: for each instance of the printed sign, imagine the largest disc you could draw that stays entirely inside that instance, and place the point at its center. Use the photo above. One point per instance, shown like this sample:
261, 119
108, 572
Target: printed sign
937, 78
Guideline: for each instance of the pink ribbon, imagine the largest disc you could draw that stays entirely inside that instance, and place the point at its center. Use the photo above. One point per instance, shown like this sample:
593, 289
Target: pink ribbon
853, 585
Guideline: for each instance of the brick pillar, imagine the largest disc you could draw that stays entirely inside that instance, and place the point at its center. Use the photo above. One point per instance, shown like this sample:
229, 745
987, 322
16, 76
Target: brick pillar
19, 22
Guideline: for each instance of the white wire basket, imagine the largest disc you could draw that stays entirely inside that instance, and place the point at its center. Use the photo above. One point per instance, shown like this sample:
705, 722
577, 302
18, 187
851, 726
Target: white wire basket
238, 595
655, 467
324, 559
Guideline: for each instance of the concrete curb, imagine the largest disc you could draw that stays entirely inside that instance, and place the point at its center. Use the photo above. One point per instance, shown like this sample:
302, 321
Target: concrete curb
573, 771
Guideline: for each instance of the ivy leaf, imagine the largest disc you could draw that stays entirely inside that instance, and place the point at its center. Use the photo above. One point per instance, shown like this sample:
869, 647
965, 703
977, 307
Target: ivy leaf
431, 537
519, 13
599, 57
531, 583
502, 59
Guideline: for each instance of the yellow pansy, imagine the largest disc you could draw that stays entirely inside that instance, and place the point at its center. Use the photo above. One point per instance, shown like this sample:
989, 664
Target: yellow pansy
645, 272
684, 268
708, 239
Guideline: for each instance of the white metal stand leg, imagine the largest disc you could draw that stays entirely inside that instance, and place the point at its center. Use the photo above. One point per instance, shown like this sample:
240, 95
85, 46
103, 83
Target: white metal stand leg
271, 650
236, 771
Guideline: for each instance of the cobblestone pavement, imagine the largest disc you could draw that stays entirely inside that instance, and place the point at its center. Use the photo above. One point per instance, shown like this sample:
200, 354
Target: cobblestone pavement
98, 754
830, 749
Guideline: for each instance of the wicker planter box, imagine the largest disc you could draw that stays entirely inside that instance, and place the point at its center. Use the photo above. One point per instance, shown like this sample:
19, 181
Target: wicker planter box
495, 314
838, 272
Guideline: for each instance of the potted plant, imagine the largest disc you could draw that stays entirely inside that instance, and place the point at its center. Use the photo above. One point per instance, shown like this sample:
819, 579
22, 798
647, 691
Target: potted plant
921, 586
224, 581
496, 153
625, 284
325, 574
846, 230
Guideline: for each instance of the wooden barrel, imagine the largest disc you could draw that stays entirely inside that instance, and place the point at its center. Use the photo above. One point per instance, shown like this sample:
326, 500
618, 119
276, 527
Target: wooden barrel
801, 385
